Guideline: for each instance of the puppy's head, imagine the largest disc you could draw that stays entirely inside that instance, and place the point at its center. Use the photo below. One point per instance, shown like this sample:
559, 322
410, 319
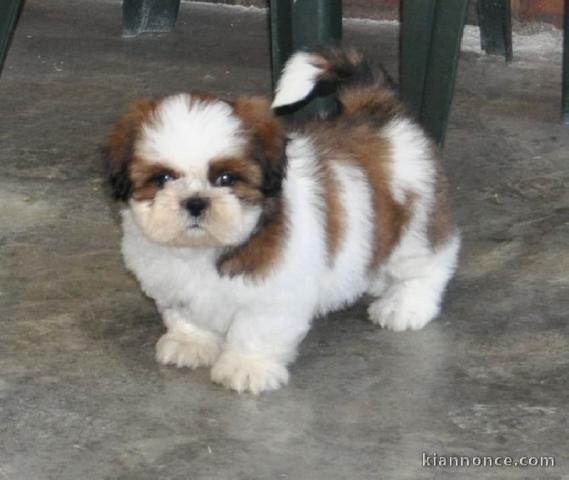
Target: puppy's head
197, 171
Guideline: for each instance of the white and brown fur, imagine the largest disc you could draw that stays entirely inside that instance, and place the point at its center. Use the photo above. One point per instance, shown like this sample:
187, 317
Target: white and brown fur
308, 222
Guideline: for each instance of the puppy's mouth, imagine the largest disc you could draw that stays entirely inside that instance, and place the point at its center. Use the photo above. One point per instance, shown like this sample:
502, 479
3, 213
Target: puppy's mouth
195, 225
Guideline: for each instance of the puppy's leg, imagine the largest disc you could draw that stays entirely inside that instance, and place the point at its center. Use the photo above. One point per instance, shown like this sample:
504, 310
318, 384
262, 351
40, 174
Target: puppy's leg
185, 344
417, 281
258, 348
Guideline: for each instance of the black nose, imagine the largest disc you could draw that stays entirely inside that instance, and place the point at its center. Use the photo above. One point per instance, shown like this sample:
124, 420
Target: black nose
196, 205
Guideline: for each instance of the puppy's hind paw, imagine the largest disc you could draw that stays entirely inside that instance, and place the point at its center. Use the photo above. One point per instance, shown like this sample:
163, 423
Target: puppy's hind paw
403, 309
183, 350
249, 372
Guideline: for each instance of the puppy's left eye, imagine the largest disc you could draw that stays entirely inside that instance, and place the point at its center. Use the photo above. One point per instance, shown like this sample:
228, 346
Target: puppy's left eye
161, 179
224, 180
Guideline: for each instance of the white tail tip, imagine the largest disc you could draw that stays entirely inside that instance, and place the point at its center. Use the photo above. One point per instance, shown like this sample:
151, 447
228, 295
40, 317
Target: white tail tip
299, 76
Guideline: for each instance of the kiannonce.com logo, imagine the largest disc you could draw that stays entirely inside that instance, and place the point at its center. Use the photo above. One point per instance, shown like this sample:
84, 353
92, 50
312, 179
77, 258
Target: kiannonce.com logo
434, 460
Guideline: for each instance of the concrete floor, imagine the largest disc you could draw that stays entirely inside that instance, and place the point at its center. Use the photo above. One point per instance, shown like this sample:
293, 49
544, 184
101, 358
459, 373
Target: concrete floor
81, 396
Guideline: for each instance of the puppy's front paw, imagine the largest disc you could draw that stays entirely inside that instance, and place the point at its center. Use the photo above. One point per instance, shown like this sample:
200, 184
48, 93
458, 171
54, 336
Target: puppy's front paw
183, 350
248, 372
403, 309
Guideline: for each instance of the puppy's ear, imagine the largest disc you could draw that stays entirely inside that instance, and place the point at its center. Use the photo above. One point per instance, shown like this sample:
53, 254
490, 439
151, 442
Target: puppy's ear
120, 148
267, 140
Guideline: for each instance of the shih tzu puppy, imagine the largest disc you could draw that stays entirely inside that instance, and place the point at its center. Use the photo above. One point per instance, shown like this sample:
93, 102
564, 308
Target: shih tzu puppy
242, 233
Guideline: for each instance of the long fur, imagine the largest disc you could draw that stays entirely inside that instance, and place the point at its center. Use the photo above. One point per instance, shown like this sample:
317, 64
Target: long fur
350, 205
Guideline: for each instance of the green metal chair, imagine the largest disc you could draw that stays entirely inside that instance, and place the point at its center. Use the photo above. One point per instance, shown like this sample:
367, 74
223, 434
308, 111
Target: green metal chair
565, 99
139, 16
9, 10
430, 47
495, 18
431, 33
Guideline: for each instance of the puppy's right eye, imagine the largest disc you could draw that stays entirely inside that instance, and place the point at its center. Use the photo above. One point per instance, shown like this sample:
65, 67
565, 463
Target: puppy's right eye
226, 179
160, 179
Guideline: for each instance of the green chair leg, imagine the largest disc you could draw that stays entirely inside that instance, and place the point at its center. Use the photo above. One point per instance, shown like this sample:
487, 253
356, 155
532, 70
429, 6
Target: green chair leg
141, 16
415, 42
436, 64
565, 101
302, 24
281, 35
496, 27
315, 22
8, 13
448, 28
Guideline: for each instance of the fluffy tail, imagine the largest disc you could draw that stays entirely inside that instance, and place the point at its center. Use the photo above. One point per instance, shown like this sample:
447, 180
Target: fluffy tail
359, 86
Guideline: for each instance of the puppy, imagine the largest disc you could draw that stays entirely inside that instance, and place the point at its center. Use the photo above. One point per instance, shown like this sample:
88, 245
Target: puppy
242, 233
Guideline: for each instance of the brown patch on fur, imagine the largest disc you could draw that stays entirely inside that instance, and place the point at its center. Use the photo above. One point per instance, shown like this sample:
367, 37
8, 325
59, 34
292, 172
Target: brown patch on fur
143, 174
121, 146
440, 223
262, 252
381, 106
247, 174
359, 143
266, 140
368, 103
335, 212
260, 123
362, 88
206, 97
391, 217
355, 136
147, 192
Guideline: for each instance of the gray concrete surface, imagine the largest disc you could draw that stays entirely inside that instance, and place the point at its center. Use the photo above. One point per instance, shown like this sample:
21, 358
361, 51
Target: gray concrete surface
81, 396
